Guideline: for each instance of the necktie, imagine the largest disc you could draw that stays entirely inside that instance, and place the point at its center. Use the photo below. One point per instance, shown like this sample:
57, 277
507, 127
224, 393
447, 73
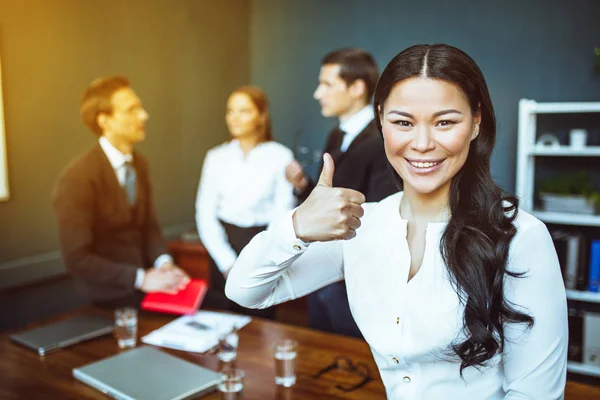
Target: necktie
337, 137
130, 182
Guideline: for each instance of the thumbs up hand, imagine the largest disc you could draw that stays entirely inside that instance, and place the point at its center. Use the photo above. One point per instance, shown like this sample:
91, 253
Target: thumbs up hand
328, 213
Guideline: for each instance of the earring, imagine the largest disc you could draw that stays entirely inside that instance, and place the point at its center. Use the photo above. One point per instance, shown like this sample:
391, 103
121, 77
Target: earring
476, 132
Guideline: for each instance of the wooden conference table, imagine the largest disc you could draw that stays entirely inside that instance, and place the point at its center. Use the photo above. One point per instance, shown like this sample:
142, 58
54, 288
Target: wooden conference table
25, 375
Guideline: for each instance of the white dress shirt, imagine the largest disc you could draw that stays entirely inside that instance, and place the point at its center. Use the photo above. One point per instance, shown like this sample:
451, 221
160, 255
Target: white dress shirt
355, 125
243, 190
117, 161
411, 324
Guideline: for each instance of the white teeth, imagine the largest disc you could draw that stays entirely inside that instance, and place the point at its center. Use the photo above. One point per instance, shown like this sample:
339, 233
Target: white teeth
424, 164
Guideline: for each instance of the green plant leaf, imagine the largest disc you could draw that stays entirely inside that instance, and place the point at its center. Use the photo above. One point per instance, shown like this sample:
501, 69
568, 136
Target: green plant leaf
579, 183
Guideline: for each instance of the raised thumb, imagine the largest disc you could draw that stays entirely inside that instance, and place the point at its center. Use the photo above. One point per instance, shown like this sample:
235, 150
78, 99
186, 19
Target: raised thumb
326, 177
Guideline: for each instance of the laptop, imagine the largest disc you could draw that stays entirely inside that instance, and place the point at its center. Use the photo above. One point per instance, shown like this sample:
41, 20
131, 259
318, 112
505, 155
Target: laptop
146, 373
63, 333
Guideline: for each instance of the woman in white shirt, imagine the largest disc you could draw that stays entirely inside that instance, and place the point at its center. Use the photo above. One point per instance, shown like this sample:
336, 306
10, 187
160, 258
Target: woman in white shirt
242, 187
457, 291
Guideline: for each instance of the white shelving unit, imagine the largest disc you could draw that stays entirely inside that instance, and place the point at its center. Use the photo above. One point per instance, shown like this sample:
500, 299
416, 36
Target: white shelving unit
583, 369
567, 218
590, 297
526, 152
565, 151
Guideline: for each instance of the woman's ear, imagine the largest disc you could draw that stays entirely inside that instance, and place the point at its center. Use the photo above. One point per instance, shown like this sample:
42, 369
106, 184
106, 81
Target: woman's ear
476, 123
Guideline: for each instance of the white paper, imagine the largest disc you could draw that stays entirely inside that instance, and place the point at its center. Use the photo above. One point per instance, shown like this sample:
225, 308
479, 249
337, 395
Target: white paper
195, 333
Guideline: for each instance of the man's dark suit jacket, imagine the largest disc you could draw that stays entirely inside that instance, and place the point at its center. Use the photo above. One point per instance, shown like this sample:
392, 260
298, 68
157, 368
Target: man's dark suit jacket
365, 168
362, 167
103, 239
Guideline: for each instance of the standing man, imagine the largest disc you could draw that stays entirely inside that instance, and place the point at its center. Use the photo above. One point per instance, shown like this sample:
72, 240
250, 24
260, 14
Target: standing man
347, 81
109, 235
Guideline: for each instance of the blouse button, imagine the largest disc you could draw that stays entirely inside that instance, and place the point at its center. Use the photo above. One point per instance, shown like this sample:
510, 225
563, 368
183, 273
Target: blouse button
297, 247
396, 360
406, 379
398, 320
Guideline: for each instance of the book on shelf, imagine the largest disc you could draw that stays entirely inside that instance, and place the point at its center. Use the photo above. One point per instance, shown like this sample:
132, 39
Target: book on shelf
559, 238
594, 271
584, 263
571, 267
575, 351
591, 339
584, 337
572, 252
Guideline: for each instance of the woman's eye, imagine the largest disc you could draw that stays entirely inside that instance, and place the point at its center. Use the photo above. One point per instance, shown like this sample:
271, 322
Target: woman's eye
402, 123
446, 123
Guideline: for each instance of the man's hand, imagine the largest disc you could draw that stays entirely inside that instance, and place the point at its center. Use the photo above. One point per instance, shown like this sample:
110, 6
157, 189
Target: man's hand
328, 213
176, 270
166, 279
295, 175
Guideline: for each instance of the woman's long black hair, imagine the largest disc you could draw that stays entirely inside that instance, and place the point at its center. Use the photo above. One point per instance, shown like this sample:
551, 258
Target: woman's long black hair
476, 241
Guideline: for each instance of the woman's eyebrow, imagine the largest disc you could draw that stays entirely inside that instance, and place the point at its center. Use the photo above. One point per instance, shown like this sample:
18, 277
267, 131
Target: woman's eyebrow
435, 115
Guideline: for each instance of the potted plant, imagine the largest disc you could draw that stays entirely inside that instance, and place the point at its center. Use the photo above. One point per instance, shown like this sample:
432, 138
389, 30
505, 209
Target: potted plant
573, 193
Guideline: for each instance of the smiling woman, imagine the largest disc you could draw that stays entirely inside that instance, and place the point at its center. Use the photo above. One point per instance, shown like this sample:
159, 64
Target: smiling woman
3, 166
457, 291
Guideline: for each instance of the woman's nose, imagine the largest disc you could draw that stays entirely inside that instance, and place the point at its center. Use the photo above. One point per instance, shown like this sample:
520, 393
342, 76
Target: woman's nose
423, 140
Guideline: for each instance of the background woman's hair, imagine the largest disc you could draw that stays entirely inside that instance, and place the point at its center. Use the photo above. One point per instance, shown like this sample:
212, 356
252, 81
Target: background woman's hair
259, 98
476, 241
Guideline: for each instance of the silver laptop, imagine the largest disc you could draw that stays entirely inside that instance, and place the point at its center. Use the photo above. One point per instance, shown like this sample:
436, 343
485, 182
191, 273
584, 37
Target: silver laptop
145, 373
63, 333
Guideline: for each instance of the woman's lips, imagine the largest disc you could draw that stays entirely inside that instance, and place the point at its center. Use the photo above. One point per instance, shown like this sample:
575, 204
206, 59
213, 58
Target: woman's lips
424, 166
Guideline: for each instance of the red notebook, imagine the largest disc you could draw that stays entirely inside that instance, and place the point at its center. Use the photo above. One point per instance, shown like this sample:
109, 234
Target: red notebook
186, 301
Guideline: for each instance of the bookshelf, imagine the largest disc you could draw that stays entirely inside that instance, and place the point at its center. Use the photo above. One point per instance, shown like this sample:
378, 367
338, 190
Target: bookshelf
527, 151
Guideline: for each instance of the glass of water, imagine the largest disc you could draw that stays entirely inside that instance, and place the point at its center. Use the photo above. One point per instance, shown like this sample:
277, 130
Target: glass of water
231, 384
285, 351
228, 343
126, 321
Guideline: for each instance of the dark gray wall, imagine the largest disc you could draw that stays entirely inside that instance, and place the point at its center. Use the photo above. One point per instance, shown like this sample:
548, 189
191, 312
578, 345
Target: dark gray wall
537, 49
183, 57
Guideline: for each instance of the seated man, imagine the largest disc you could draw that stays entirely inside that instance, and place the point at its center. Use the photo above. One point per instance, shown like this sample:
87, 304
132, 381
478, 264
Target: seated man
109, 235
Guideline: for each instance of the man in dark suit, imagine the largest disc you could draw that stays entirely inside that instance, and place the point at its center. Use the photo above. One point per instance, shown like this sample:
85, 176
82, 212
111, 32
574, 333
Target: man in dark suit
109, 235
347, 81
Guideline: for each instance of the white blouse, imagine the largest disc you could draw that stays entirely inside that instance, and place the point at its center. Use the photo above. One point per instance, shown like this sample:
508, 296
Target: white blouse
243, 190
410, 325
